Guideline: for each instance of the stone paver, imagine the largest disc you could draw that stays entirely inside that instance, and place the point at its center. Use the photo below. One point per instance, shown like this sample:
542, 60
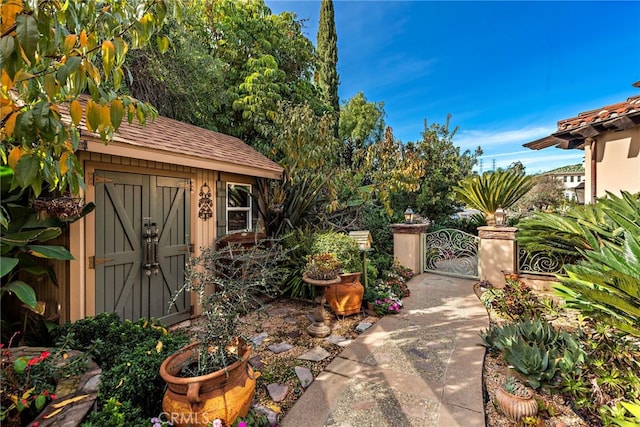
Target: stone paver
422, 367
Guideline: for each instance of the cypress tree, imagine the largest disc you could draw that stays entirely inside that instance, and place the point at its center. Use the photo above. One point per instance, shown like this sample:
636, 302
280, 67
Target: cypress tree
326, 76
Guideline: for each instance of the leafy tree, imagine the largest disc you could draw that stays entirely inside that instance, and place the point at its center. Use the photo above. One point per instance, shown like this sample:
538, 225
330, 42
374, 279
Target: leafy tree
491, 190
264, 59
326, 76
606, 284
51, 53
306, 149
547, 191
361, 124
184, 82
444, 167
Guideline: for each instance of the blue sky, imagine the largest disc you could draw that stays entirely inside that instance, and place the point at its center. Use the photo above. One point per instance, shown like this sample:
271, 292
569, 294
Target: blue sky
506, 71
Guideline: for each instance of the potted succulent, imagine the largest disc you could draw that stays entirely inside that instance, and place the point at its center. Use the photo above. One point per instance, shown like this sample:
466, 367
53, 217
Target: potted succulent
344, 298
211, 378
516, 400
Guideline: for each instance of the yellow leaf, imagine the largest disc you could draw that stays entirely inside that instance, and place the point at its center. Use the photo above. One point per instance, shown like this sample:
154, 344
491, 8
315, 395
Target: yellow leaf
14, 156
76, 112
275, 408
108, 56
83, 39
69, 42
120, 383
159, 347
8, 13
6, 81
93, 116
68, 401
50, 85
52, 414
63, 163
65, 356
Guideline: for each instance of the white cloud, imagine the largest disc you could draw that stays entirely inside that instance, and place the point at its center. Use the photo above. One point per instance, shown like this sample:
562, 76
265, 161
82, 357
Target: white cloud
487, 139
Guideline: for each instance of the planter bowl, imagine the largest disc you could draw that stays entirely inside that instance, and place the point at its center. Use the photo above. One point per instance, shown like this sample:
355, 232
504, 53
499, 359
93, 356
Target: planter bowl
197, 401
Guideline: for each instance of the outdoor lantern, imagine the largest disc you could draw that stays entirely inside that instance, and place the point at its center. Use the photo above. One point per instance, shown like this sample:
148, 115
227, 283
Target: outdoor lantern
500, 217
408, 215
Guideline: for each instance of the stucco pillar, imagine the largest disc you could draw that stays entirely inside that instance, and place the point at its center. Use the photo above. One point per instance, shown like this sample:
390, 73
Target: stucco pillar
497, 253
406, 244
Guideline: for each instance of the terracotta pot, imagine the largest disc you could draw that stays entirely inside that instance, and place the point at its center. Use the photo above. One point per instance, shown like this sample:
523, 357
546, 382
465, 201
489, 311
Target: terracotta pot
516, 407
345, 298
197, 401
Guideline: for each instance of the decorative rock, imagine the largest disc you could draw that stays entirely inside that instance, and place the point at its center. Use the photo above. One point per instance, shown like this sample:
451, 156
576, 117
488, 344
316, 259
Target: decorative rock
363, 326
291, 320
338, 340
259, 339
418, 353
370, 319
294, 334
280, 348
272, 416
304, 375
278, 392
256, 362
315, 355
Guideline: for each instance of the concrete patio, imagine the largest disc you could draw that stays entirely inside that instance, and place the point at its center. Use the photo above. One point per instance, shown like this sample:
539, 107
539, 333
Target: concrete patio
422, 367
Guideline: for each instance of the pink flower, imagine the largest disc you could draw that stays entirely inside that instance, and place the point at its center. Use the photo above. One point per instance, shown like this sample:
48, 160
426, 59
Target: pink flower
242, 424
217, 423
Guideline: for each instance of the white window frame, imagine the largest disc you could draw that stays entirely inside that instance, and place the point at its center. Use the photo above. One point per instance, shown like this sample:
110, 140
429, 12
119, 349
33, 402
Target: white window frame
247, 209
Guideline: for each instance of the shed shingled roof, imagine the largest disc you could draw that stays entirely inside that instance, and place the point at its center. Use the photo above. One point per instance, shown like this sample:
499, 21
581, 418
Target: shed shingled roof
186, 140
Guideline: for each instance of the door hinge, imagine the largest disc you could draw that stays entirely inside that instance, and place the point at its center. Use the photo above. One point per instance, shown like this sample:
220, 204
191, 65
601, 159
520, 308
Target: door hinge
93, 261
93, 179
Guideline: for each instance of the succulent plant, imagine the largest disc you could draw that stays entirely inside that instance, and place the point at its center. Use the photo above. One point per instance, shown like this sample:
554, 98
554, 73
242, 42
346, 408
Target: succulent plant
512, 386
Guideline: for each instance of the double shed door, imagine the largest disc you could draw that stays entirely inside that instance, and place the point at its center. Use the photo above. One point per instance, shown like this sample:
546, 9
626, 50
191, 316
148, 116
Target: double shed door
142, 245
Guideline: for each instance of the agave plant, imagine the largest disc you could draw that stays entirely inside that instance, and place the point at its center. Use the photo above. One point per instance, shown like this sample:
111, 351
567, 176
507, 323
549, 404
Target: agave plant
491, 190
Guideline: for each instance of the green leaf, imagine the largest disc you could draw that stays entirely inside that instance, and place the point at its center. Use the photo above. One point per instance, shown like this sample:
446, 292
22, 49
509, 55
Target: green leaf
20, 364
51, 252
27, 34
6, 265
24, 292
40, 401
27, 170
21, 238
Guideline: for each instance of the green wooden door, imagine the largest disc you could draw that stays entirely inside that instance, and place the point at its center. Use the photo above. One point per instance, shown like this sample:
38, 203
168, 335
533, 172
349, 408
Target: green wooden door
127, 206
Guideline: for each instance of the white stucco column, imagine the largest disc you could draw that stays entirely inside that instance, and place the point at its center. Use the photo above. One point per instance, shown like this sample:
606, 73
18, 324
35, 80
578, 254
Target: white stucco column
497, 253
406, 244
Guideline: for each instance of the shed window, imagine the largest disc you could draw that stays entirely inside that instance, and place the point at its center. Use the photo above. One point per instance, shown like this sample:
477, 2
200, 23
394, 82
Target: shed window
238, 207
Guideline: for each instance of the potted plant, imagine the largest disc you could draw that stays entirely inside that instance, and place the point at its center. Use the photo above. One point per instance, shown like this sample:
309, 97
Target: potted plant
321, 270
211, 378
344, 298
516, 400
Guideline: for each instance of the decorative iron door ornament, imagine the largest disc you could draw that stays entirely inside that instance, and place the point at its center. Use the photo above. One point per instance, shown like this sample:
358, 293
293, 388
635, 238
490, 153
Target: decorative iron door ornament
204, 203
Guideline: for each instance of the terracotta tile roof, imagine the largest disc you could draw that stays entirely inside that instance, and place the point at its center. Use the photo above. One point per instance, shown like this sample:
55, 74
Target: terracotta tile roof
572, 132
226, 153
631, 105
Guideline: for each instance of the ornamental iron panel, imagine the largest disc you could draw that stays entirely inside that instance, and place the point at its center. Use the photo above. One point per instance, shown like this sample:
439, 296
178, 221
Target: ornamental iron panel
451, 252
544, 263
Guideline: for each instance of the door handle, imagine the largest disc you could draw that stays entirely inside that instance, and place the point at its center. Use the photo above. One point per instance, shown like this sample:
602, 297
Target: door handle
147, 236
156, 244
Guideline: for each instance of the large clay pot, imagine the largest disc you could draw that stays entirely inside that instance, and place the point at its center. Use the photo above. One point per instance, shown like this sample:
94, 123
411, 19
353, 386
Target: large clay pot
345, 298
516, 407
197, 401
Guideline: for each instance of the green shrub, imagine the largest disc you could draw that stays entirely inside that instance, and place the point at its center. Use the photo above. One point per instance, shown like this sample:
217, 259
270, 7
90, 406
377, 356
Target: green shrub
130, 355
611, 369
345, 248
516, 300
535, 350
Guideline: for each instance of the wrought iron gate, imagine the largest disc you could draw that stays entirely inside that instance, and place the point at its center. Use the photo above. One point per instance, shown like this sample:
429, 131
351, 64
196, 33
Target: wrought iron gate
450, 252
